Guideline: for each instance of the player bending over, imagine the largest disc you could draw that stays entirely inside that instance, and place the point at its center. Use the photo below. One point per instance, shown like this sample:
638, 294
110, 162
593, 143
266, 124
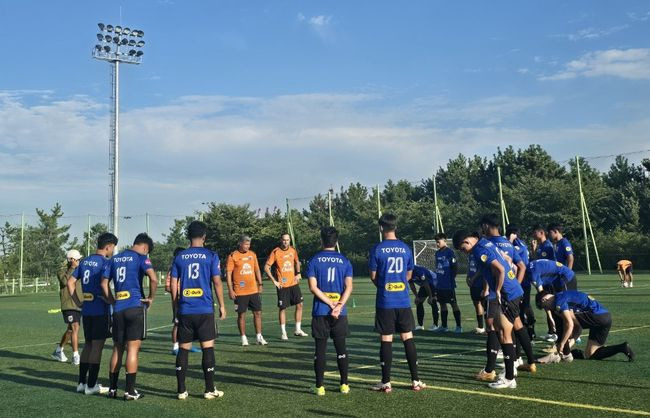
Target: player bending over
624, 270
126, 270
425, 280
527, 313
330, 280
476, 283
391, 267
194, 271
95, 312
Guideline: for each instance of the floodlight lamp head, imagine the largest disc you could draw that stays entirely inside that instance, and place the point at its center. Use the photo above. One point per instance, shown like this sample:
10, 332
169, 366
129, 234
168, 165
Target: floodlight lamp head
100, 37
139, 54
109, 28
118, 29
140, 44
101, 26
116, 39
126, 31
98, 47
108, 38
140, 34
107, 48
124, 41
132, 42
132, 52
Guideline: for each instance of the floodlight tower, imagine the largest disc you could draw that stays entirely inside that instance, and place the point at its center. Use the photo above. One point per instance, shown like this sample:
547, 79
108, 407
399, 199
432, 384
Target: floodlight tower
116, 44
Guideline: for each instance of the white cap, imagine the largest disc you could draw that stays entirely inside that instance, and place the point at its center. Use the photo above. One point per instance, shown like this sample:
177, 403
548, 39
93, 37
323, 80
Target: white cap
73, 254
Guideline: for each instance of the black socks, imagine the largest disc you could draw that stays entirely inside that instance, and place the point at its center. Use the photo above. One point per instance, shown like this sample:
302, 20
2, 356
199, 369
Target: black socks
181, 369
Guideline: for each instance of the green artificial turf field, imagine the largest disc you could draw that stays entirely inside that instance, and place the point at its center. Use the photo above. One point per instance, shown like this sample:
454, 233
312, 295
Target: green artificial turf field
276, 380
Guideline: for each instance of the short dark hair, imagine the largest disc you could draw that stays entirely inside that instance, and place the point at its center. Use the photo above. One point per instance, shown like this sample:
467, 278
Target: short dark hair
105, 239
460, 236
491, 220
512, 229
388, 222
440, 236
329, 236
555, 227
144, 238
538, 227
543, 305
178, 250
196, 229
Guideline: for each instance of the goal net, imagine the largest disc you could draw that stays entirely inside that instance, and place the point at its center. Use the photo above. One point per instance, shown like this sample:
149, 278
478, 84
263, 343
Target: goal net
424, 254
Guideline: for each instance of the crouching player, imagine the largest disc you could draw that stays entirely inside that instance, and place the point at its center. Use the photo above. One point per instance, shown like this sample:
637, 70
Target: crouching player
193, 273
425, 279
330, 280
575, 310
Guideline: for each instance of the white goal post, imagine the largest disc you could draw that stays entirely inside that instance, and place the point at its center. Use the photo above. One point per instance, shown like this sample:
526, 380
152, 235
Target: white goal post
424, 254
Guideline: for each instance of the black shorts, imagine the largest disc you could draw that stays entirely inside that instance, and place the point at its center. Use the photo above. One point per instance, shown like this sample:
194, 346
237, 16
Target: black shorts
96, 327
446, 296
628, 270
328, 326
289, 296
71, 316
201, 327
130, 325
476, 293
510, 309
493, 309
424, 295
389, 321
243, 303
572, 285
525, 299
598, 325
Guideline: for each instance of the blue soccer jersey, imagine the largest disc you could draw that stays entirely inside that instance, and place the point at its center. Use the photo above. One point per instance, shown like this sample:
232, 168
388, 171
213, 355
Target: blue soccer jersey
545, 250
90, 272
330, 269
445, 267
578, 302
506, 248
126, 271
391, 260
563, 250
485, 253
194, 269
422, 275
548, 273
472, 269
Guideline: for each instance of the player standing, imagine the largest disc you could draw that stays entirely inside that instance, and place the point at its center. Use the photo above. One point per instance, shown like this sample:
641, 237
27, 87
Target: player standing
391, 267
542, 247
286, 280
330, 280
70, 309
563, 248
446, 270
95, 312
425, 280
245, 287
194, 271
126, 270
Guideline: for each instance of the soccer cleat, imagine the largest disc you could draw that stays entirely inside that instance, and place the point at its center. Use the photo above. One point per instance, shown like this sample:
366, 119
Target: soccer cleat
550, 358
532, 368
628, 352
382, 387
433, 328
300, 333
442, 329
97, 389
81, 388
458, 330
503, 383
579, 340
418, 385
133, 396
319, 391
213, 395
244, 341
631, 284
58, 355
261, 341
551, 338
112, 393
419, 328
479, 331
518, 362
345, 389
625, 284
284, 337
550, 349
182, 396
484, 376
76, 359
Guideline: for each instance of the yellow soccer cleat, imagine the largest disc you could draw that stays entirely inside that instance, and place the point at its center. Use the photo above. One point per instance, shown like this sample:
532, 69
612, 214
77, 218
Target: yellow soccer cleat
320, 391
345, 389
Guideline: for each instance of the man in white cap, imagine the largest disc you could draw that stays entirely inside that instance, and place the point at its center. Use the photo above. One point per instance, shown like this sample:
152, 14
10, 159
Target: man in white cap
70, 308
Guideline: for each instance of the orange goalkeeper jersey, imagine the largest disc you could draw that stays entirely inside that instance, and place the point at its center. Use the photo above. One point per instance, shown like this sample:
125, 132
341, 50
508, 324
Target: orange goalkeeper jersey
284, 262
243, 267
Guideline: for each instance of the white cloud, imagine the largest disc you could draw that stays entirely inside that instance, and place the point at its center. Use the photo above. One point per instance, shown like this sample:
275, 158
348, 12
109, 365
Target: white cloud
631, 64
639, 17
320, 24
523, 70
592, 33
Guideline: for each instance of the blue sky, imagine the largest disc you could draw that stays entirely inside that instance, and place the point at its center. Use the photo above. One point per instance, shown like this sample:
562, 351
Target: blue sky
233, 94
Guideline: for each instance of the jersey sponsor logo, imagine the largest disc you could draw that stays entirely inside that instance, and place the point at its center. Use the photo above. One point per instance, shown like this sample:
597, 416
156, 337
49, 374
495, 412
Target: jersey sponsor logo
191, 256
90, 263
123, 295
246, 270
395, 286
590, 297
484, 258
330, 260
453, 260
284, 280
147, 261
89, 297
123, 259
568, 248
333, 296
287, 266
390, 250
242, 284
511, 274
543, 253
557, 263
195, 292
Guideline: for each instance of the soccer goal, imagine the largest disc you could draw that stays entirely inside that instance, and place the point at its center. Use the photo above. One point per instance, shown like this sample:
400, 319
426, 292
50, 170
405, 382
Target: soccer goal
424, 254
